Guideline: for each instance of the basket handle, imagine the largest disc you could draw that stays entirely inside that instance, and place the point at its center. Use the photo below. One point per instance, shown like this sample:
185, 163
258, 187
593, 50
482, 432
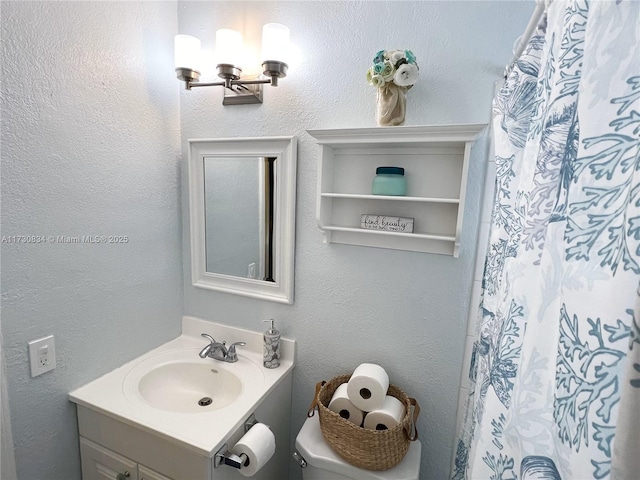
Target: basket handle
412, 434
314, 403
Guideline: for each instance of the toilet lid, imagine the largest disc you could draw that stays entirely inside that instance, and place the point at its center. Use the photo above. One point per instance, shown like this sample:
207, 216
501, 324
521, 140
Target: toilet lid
311, 445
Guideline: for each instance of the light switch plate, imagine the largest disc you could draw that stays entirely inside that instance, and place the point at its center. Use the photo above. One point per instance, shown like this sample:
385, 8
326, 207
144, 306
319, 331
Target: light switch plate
42, 355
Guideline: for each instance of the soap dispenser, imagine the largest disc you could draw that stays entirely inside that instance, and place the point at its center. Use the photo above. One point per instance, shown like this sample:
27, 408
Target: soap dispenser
271, 352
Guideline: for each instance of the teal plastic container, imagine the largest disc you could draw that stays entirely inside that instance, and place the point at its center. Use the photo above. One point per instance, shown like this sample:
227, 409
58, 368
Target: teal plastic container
389, 181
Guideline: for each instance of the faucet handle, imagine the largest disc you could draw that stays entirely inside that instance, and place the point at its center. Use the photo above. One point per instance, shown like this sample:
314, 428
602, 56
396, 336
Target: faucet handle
206, 351
232, 355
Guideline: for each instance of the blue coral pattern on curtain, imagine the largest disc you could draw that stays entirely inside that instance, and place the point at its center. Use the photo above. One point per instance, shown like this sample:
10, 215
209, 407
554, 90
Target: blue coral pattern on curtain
555, 369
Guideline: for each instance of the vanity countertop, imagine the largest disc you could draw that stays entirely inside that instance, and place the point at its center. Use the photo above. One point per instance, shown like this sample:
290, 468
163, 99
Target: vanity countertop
202, 432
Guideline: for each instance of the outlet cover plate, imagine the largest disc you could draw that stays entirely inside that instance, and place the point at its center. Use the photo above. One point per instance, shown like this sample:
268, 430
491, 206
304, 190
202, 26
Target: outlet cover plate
42, 355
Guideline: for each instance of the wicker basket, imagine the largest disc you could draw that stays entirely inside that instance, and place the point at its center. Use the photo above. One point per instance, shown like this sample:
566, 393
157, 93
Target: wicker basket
364, 448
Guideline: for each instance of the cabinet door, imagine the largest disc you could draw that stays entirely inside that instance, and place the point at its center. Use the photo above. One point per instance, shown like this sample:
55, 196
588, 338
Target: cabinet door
148, 474
98, 463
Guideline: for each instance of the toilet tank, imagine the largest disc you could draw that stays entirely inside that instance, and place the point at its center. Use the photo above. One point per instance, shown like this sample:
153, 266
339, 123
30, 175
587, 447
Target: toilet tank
324, 464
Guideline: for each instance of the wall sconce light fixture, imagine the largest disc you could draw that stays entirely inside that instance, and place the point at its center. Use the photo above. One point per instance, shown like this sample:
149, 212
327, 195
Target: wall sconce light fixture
275, 44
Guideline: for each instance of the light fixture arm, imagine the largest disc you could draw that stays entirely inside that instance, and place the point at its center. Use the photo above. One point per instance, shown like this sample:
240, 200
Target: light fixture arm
241, 90
188, 84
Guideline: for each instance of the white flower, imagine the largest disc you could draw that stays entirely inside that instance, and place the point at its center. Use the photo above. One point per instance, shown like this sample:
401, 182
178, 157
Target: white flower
406, 75
395, 56
396, 67
370, 75
377, 80
388, 71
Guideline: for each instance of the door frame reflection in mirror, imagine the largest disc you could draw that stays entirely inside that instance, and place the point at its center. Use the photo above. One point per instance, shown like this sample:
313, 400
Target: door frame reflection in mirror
284, 149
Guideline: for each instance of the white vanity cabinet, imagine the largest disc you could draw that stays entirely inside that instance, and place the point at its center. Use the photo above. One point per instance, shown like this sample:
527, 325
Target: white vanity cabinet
436, 162
100, 463
110, 447
145, 473
103, 464
129, 432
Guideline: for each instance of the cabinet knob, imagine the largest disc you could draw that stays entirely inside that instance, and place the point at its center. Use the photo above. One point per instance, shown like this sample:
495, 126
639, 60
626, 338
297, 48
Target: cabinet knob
123, 476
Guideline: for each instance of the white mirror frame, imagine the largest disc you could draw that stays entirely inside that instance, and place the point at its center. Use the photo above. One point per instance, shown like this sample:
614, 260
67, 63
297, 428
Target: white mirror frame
285, 150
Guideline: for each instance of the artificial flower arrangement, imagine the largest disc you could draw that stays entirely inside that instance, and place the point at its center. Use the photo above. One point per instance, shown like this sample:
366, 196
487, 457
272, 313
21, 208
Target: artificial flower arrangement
393, 73
393, 66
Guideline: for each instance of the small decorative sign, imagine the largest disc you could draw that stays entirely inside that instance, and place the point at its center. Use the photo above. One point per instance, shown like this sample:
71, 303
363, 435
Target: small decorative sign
383, 222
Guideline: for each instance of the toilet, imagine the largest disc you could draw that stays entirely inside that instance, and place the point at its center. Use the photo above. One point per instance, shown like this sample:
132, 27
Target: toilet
322, 463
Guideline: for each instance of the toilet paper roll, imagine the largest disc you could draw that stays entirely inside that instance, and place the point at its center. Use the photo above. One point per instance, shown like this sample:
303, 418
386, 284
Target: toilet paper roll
259, 444
387, 417
341, 404
368, 386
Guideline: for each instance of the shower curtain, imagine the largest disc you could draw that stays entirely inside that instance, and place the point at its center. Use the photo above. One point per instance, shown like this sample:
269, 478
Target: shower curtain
555, 368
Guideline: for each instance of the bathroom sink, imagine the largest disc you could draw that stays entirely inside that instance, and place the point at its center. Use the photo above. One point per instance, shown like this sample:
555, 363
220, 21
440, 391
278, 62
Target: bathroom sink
179, 381
156, 395
189, 387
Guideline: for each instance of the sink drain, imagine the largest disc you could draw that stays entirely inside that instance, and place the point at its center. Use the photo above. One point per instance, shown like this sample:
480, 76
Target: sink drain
203, 402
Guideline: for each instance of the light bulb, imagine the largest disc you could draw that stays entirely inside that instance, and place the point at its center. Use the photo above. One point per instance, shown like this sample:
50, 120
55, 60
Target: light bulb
228, 47
275, 42
187, 52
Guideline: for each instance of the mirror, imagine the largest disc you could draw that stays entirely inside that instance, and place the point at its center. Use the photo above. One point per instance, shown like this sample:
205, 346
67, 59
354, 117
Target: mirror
239, 212
242, 213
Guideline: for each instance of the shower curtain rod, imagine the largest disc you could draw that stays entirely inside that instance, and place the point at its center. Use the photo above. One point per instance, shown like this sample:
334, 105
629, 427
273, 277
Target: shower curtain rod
541, 7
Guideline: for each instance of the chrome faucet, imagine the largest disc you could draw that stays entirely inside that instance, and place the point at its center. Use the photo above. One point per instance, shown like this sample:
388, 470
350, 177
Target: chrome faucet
219, 351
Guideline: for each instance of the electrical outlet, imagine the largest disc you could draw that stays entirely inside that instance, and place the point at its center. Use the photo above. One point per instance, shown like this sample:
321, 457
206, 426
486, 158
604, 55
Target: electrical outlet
251, 270
42, 355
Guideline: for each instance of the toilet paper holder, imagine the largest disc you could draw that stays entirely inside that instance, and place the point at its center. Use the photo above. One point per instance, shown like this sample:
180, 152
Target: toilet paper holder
224, 456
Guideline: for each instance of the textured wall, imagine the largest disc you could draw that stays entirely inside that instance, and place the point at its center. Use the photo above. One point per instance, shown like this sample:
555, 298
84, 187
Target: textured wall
90, 146
404, 310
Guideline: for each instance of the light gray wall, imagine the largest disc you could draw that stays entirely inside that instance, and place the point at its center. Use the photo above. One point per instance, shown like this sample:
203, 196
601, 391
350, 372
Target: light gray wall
404, 310
90, 146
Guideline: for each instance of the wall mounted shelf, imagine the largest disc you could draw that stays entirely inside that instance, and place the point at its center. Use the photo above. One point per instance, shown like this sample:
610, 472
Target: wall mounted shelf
436, 162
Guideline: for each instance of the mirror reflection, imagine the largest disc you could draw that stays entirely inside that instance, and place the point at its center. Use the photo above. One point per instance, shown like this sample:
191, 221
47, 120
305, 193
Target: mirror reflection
239, 203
